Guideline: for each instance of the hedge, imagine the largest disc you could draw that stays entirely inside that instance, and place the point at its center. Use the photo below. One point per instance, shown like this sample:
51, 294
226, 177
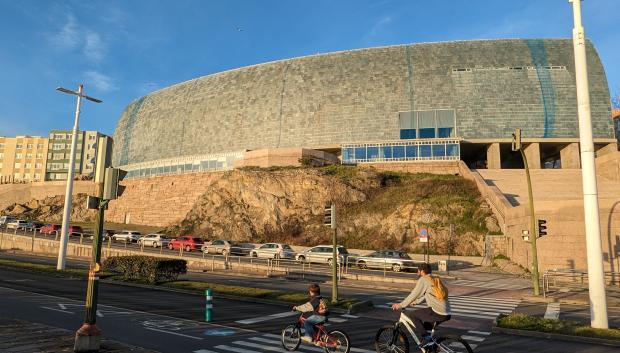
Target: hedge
146, 268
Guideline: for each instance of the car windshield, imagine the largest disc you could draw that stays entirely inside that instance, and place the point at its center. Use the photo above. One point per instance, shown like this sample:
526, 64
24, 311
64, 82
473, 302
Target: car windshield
403, 255
286, 247
342, 250
197, 240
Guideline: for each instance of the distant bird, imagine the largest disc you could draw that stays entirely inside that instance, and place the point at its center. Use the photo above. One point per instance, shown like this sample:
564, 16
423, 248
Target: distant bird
239, 29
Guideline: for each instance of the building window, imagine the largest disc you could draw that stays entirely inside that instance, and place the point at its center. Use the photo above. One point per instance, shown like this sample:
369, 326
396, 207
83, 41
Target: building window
58, 156
393, 151
19, 155
17, 176
18, 165
28, 155
40, 146
437, 123
29, 146
37, 176
1, 145
28, 165
38, 165
39, 155
59, 136
1, 155
58, 146
19, 146
27, 176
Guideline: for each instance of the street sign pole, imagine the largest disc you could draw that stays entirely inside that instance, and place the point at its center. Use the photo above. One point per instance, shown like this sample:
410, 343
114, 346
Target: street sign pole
334, 255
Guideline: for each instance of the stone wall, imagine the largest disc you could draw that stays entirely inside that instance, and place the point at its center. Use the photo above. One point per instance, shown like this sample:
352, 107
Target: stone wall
21, 193
433, 167
494, 86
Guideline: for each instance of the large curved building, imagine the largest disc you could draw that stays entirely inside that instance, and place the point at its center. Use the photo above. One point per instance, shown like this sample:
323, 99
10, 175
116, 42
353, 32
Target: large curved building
466, 97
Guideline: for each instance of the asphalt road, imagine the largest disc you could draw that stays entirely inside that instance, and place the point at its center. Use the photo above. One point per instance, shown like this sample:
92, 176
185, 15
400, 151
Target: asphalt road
174, 322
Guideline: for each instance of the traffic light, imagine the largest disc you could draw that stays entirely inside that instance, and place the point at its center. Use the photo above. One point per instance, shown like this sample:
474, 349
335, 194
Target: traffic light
516, 140
329, 218
111, 188
542, 227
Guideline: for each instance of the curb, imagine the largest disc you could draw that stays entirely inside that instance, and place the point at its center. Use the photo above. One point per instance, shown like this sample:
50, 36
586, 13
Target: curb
554, 336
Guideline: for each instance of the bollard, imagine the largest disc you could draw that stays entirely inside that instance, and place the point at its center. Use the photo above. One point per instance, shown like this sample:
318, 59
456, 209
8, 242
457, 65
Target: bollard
209, 305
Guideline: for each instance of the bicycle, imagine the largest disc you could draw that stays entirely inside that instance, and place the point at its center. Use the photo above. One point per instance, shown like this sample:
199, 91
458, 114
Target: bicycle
335, 341
393, 338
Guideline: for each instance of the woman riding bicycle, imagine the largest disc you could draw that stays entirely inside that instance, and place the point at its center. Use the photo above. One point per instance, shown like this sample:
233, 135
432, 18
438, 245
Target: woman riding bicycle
318, 306
436, 296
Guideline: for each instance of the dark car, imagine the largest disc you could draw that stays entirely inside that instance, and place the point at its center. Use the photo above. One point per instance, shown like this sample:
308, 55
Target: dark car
75, 230
187, 242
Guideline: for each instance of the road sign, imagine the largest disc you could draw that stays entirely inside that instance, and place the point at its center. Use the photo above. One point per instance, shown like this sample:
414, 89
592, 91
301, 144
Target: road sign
423, 235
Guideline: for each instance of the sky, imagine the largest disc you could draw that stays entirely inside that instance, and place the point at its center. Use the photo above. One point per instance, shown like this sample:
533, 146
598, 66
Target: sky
123, 50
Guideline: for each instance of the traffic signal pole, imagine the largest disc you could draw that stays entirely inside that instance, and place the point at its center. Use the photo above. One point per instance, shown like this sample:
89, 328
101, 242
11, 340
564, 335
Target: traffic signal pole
533, 227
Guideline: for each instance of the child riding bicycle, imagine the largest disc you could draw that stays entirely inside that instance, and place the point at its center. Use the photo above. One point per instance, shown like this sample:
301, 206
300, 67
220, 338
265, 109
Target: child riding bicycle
436, 295
318, 306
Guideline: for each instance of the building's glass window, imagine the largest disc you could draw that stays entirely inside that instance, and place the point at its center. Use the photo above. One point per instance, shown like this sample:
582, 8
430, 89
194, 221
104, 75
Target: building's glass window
40, 146
453, 150
385, 152
425, 151
27, 176
372, 152
424, 124
38, 165
28, 155
360, 153
19, 155
18, 165
19, 146
37, 176
1, 155
28, 165
398, 152
29, 146
439, 151
412, 151
17, 175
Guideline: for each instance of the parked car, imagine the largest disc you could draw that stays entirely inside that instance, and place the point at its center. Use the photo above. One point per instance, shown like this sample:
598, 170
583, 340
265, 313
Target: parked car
75, 230
187, 242
127, 236
323, 254
226, 247
5, 220
394, 260
50, 229
37, 225
274, 251
154, 240
19, 224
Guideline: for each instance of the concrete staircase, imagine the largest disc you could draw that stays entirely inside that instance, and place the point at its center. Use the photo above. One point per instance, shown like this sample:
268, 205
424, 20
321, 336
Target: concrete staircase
558, 199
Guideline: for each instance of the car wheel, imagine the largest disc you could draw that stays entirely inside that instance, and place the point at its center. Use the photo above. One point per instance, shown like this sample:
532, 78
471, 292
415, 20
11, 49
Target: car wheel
301, 258
253, 254
188, 248
224, 253
329, 262
362, 265
170, 246
155, 245
396, 268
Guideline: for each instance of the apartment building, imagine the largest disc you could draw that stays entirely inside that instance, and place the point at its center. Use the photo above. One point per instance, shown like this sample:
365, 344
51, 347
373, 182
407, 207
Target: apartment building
59, 153
23, 158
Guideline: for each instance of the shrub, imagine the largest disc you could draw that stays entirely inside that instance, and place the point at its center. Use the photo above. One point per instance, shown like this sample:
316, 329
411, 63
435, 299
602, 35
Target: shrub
146, 268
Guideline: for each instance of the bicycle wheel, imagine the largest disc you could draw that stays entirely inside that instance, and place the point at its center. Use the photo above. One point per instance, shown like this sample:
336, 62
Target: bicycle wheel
337, 342
386, 342
453, 344
291, 337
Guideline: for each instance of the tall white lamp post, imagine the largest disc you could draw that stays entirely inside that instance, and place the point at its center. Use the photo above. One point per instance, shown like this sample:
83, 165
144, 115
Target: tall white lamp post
596, 276
66, 214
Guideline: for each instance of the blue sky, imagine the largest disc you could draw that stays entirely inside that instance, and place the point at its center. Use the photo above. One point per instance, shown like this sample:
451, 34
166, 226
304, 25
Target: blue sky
122, 50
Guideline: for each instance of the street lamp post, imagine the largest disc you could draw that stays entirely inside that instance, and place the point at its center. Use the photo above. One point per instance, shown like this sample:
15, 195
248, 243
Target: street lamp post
66, 214
596, 276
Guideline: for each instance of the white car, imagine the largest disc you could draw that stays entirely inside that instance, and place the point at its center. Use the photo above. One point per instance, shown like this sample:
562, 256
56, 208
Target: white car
323, 254
154, 240
127, 236
274, 251
20, 224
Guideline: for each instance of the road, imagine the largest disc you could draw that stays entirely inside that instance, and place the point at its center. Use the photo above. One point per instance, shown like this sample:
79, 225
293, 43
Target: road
173, 322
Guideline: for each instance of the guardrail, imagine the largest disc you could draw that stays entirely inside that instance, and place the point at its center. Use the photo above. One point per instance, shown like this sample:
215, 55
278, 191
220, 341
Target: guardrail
573, 279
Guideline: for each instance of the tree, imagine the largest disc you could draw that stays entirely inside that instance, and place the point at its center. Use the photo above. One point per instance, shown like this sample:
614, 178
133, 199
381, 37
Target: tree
615, 100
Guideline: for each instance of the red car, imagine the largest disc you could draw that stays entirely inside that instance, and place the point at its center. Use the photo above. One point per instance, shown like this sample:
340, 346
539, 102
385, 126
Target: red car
50, 229
187, 242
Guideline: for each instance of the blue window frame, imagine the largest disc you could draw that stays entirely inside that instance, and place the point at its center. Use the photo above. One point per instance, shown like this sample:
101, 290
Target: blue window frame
412, 151
452, 150
385, 152
439, 150
425, 151
398, 152
427, 133
406, 134
372, 152
444, 132
360, 153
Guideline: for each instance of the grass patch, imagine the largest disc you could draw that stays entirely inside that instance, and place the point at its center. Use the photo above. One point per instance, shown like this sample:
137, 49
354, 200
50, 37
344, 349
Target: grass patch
250, 292
49, 269
533, 323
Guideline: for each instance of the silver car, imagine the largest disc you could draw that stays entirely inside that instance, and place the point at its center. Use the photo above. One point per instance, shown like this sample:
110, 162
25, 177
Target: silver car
323, 254
127, 236
154, 240
274, 251
387, 259
226, 247
20, 224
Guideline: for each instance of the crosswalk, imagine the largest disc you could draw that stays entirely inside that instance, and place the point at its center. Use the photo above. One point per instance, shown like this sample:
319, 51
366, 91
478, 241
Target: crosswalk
474, 307
475, 338
265, 343
489, 285
254, 320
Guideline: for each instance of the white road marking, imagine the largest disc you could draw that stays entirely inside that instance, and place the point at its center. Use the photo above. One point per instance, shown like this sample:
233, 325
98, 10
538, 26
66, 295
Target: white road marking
480, 333
553, 311
350, 316
62, 311
336, 319
173, 333
360, 350
267, 317
204, 351
472, 338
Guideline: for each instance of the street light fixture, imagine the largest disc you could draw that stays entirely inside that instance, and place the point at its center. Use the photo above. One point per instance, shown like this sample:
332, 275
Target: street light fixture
66, 215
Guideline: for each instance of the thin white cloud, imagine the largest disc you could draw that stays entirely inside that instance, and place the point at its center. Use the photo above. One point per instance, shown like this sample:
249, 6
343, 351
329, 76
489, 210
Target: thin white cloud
68, 36
94, 47
100, 81
379, 26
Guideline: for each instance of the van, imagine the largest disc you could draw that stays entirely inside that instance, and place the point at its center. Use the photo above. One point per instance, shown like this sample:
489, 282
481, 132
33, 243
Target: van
4, 220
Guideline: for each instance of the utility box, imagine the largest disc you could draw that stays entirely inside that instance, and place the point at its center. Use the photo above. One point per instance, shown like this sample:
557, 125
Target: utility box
442, 265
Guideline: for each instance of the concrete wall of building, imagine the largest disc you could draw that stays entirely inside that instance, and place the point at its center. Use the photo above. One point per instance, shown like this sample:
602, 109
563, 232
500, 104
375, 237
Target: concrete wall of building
570, 156
278, 157
532, 153
494, 86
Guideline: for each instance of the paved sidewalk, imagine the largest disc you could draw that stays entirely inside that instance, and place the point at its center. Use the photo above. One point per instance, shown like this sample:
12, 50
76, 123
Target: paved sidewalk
18, 336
